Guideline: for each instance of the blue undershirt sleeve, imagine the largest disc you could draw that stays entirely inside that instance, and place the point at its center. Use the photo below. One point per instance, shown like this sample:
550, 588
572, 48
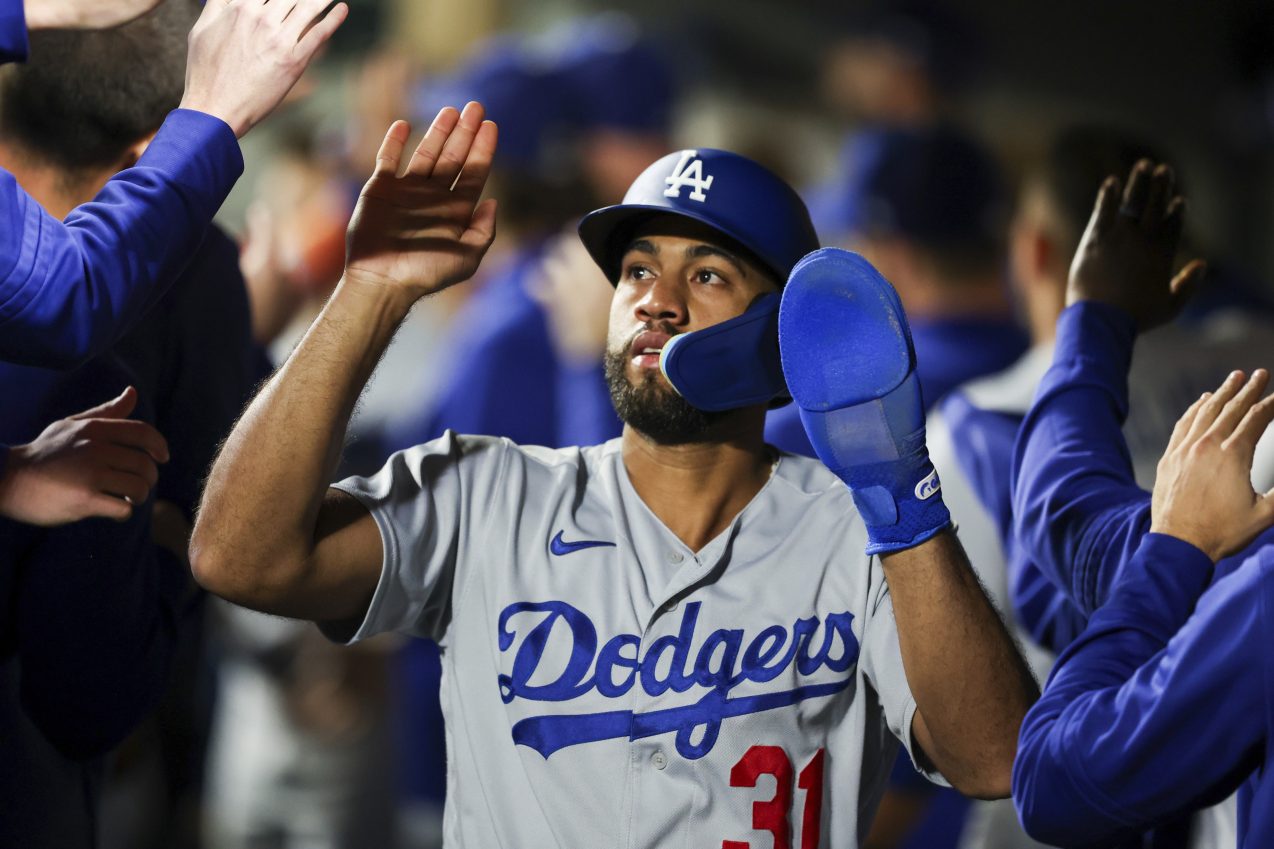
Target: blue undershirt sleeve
1156, 709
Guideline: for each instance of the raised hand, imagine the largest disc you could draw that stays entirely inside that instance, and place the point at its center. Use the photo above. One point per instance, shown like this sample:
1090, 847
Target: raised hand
1125, 256
84, 14
1203, 490
245, 55
95, 463
425, 230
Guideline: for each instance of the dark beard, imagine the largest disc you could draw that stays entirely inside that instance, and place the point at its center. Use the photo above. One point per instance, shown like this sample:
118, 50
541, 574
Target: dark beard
655, 411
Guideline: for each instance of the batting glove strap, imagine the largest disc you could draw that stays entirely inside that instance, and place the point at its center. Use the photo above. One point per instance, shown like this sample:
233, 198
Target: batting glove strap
900, 502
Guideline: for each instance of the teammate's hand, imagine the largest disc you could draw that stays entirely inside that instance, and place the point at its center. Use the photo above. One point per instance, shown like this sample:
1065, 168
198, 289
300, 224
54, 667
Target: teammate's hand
245, 55
84, 14
1203, 490
95, 463
1125, 256
425, 230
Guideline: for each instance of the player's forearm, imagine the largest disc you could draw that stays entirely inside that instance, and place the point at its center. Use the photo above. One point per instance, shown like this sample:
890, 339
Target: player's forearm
971, 686
256, 526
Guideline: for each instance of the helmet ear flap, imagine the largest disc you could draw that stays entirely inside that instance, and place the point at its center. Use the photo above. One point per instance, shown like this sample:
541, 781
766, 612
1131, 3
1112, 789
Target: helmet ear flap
731, 364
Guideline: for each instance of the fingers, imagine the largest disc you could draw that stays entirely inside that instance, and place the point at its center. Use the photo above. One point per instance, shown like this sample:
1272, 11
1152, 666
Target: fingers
1106, 207
391, 149
123, 485
481, 231
277, 10
477, 168
1186, 421
430, 147
1160, 194
455, 151
1254, 423
1187, 282
1137, 192
320, 32
1211, 408
128, 460
129, 434
108, 507
117, 408
1234, 411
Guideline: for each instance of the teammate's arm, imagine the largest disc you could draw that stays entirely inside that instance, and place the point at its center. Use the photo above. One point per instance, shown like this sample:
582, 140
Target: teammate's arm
270, 534
1159, 706
1078, 511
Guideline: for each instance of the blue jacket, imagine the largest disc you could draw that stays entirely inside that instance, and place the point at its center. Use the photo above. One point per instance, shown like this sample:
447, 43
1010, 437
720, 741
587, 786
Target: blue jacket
1159, 707
1082, 521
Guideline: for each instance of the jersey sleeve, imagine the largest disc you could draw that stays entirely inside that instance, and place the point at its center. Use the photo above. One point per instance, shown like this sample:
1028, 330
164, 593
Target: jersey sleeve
69, 290
1156, 709
13, 32
881, 661
428, 502
1078, 512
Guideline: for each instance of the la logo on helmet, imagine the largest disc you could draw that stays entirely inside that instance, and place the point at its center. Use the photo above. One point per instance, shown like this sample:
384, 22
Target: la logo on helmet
689, 172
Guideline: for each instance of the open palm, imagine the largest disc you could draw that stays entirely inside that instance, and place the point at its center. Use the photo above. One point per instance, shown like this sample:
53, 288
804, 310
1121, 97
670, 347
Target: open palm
425, 230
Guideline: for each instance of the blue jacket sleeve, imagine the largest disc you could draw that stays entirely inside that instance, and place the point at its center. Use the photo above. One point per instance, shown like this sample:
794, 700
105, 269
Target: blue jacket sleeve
69, 289
1153, 710
1077, 510
13, 31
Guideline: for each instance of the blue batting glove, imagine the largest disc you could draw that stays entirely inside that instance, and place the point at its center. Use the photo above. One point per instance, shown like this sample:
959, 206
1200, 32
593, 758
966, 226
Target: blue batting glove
851, 368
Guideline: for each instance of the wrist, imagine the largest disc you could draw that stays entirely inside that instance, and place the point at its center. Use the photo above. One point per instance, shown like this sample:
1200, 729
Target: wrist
48, 14
12, 461
196, 103
1211, 549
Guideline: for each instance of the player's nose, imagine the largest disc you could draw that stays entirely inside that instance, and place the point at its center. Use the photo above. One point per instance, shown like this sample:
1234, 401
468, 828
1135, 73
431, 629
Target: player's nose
663, 300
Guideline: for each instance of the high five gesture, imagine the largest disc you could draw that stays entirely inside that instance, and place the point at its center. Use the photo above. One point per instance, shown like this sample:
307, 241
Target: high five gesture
424, 229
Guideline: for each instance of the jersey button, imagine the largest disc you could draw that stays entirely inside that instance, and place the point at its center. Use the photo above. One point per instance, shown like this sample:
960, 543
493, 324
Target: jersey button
659, 760
675, 557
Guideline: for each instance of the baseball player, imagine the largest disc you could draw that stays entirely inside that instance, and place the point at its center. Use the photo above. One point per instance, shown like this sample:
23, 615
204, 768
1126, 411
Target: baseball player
679, 637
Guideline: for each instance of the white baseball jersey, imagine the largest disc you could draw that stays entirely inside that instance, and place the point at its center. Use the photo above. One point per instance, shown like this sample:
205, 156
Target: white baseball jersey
605, 686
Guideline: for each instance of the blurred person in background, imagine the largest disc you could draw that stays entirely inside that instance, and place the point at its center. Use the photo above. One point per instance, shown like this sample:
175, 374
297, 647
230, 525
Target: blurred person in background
103, 614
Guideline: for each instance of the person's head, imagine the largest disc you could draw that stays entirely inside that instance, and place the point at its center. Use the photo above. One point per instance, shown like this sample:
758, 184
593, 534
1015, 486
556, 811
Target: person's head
1054, 204
87, 102
619, 88
925, 206
700, 236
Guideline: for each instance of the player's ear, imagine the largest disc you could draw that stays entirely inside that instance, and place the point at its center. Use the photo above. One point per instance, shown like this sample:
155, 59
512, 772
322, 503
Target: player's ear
134, 152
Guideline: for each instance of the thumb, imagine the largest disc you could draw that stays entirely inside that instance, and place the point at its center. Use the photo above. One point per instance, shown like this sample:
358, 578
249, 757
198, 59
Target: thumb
117, 408
1187, 282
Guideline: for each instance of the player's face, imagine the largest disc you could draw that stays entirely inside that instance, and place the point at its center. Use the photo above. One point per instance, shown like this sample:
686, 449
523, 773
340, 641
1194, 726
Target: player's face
676, 276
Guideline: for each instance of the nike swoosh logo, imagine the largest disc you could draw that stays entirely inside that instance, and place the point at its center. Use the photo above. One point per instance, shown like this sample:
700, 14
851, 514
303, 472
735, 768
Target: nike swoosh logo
559, 547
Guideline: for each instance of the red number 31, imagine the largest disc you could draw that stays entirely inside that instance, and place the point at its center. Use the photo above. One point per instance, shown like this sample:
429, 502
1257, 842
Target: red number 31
771, 816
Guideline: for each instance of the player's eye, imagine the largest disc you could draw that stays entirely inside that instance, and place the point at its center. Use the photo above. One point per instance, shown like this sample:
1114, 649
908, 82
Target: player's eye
707, 276
637, 271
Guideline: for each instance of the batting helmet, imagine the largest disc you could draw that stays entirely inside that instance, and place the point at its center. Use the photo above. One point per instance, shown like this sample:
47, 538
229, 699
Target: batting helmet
747, 203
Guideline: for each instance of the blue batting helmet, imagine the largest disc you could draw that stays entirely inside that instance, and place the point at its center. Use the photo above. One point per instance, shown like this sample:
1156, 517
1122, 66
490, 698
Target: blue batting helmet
744, 201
